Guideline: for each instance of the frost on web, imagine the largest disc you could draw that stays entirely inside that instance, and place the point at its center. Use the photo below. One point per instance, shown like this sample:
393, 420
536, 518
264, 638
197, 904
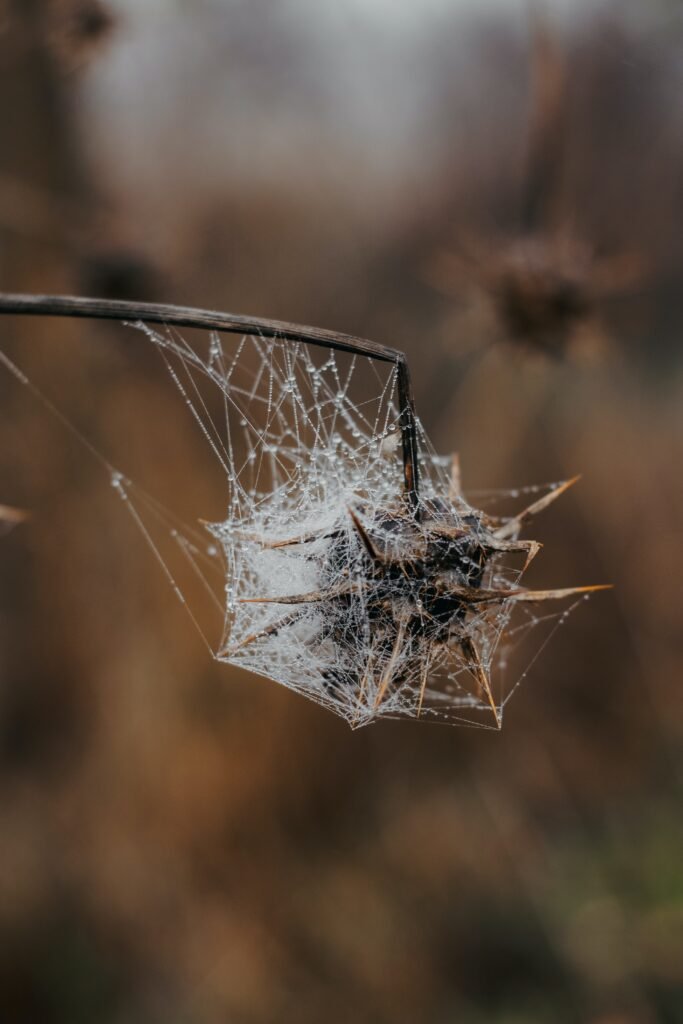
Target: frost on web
323, 580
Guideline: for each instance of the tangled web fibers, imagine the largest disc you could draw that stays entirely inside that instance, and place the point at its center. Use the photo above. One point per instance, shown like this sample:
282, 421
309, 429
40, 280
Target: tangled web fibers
324, 580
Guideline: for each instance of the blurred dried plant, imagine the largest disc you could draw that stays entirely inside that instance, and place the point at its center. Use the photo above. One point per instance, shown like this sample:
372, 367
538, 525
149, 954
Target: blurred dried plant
542, 284
72, 31
76, 30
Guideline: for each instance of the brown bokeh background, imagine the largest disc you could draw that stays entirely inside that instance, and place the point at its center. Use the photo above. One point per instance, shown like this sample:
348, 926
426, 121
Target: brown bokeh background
498, 191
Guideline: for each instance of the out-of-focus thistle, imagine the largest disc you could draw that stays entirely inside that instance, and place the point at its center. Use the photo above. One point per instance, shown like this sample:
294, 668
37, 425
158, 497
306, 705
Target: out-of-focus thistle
541, 285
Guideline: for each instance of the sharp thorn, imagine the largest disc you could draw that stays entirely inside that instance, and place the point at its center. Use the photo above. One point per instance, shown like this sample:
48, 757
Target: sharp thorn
364, 536
556, 595
512, 525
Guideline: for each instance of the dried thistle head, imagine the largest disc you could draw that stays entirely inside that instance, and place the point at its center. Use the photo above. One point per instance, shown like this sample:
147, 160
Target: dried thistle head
407, 611
542, 284
541, 291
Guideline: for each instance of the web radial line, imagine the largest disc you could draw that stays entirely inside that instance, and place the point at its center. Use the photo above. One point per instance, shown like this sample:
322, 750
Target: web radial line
164, 567
52, 409
167, 345
192, 557
290, 364
271, 415
558, 622
272, 410
187, 355
205, 425
206, 420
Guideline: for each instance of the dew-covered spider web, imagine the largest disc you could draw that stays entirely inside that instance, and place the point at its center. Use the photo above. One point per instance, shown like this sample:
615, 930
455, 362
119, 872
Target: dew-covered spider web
317, 575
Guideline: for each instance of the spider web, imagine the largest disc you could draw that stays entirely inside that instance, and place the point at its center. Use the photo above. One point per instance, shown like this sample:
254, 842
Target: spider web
308, 441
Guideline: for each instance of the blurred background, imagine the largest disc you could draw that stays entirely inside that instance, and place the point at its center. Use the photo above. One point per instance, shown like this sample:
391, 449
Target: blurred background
497, 189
